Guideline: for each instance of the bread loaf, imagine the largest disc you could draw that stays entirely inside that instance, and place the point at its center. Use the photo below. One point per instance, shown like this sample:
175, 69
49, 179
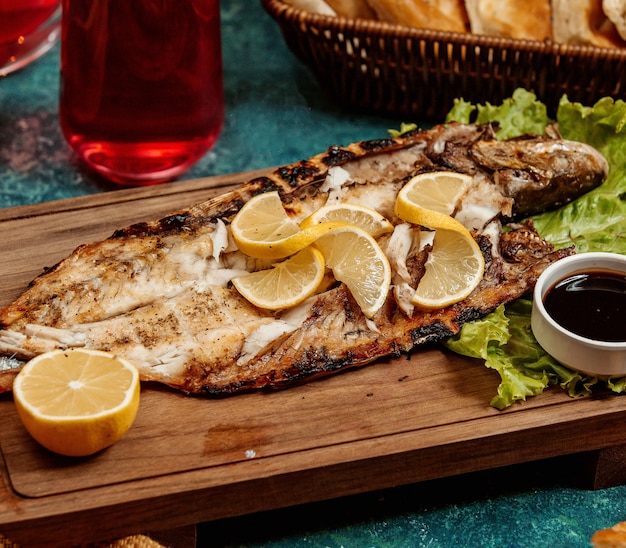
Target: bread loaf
352, 8
312, 6
519, 19
583, 22
615, 10
599, 23
446, 15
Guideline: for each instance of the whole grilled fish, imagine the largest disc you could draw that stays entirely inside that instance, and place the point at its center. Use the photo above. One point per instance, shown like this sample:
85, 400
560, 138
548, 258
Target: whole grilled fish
158, 293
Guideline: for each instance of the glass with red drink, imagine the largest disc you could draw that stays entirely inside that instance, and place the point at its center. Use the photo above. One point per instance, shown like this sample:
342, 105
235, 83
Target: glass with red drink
141, 85
28, 29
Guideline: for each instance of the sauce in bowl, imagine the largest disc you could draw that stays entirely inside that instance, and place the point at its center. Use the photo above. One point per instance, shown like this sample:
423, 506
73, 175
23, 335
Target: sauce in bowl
590, 304
579, 313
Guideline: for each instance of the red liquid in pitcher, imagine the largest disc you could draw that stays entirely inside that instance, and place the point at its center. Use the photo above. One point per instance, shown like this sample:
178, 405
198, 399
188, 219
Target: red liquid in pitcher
141, 85
19, 18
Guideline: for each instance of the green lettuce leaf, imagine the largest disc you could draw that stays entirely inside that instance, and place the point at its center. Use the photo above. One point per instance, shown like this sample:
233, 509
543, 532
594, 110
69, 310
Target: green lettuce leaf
597, 220
593, 222
504, 339
521, 113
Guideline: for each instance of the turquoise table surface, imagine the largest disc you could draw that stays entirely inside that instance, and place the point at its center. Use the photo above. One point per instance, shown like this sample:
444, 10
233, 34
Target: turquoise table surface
277, 114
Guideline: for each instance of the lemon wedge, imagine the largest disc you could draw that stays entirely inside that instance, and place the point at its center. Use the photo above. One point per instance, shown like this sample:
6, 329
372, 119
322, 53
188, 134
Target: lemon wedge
286, 284
77, 402
357, 260
262, 229
364, 217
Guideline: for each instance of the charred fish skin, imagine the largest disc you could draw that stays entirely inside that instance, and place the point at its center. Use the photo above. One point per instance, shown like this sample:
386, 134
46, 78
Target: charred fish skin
158, 292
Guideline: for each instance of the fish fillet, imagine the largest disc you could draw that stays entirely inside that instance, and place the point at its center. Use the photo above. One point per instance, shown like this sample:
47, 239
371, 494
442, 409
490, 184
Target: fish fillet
159, 293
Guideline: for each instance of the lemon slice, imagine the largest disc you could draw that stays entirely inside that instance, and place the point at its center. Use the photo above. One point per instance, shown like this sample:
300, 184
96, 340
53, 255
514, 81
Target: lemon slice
262, 229
438, 191
77, 402
455, 266
364, 217
357, 260
286, 284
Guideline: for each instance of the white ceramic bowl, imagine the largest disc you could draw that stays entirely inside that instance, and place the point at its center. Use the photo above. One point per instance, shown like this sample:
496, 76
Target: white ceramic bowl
590, 356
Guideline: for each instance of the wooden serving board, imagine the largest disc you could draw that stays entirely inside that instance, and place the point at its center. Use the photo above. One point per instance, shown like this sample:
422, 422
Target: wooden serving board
189, 459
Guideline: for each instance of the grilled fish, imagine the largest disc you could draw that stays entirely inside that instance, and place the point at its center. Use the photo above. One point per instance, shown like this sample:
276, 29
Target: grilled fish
158, 292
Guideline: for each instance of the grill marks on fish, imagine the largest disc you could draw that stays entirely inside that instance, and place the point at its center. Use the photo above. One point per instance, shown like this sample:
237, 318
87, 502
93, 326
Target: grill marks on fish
158, 292
336, 335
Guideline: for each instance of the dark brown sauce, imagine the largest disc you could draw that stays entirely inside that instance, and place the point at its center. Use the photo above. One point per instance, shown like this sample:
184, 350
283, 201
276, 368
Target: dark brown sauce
592, 305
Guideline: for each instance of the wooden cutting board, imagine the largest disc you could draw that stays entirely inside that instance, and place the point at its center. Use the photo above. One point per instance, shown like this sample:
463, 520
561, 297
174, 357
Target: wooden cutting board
190, 459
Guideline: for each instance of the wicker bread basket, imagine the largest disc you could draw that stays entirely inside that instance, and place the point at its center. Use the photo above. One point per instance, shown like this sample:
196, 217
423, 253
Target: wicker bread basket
377, 67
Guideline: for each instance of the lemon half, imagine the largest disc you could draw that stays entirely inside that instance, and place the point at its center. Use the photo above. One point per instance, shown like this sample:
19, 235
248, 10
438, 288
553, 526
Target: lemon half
77, 402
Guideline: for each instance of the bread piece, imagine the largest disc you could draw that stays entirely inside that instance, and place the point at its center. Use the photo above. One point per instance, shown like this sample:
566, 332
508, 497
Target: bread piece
615, 10
352, 8
614, 537
446, 15
518, 19
313, 6
583, 22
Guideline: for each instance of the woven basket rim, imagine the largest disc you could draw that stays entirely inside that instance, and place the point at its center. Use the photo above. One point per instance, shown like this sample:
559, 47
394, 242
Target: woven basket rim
280, 9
